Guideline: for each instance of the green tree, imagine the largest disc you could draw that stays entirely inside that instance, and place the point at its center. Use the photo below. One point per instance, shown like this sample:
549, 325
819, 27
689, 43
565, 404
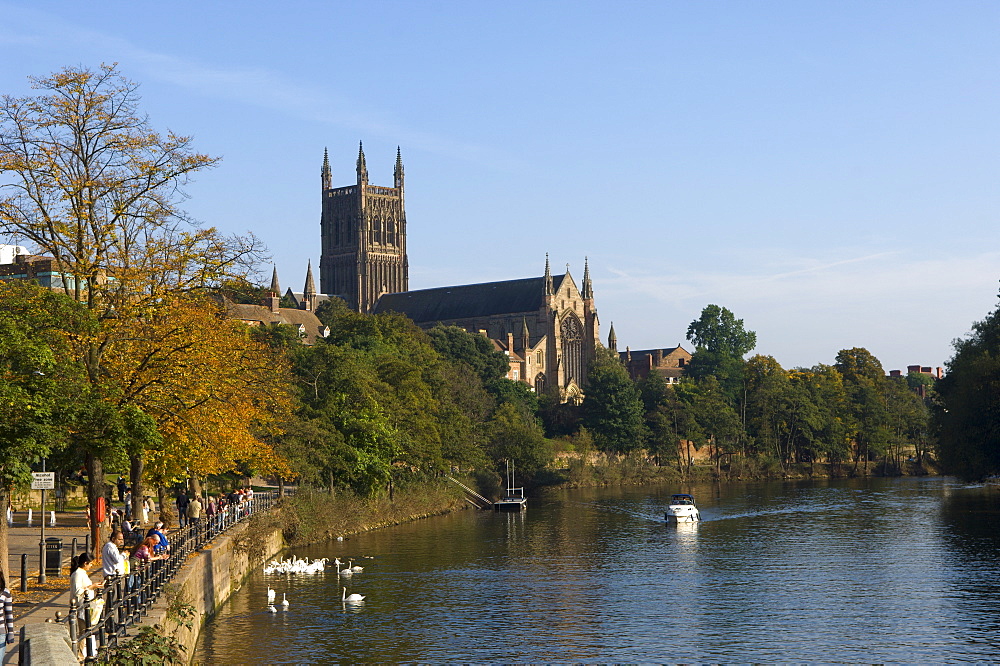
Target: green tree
513, 436
720, 341
768, 407
967, 417
670, 422
612, 409
864, 383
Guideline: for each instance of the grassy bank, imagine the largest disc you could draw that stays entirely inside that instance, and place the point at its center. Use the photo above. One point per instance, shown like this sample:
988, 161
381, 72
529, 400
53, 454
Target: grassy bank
313, 516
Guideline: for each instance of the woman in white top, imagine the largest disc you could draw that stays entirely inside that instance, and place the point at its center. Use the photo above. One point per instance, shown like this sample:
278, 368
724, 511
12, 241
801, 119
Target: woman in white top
80, 587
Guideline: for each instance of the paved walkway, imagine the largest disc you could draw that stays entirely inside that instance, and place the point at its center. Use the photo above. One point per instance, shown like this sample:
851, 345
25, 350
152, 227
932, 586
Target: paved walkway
24, 539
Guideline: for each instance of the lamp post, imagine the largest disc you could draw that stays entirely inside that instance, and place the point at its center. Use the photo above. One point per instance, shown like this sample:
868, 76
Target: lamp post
41, 542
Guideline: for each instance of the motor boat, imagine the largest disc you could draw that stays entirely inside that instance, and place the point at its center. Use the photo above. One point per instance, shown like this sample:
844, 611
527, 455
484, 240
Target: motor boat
682, 509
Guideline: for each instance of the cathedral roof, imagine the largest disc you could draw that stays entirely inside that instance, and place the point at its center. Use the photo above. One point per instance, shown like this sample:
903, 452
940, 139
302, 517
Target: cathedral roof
469, 300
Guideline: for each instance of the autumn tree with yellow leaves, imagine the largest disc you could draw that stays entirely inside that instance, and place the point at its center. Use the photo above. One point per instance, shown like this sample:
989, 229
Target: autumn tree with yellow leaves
88, 181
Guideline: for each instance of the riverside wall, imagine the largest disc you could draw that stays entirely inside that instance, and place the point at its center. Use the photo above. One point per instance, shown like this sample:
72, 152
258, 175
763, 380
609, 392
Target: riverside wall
208, 578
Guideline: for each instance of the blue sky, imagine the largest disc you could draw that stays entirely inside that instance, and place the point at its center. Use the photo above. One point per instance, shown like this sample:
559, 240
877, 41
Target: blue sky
828, 171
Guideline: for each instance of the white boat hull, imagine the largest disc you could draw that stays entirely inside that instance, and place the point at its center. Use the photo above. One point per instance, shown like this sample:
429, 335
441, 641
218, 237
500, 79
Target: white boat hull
682, 514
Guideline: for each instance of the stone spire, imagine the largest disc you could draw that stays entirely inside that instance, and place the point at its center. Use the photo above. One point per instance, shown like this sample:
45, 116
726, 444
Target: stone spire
612, 339
548, 276
588, 287
275, 287
398, 171
309, 292
325, 175
362, 166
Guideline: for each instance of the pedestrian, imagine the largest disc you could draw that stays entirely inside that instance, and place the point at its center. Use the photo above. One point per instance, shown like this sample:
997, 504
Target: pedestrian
147, 506
146, 550
80, 587
113, 560
162, 546
194, 510
128, 503
8, 615
121, 488
182, 507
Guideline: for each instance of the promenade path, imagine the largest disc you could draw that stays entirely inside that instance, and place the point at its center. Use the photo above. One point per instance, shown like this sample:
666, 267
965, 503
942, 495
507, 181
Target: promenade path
42, 601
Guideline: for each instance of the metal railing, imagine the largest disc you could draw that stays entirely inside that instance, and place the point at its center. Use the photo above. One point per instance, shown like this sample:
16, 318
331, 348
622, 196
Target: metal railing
128, 598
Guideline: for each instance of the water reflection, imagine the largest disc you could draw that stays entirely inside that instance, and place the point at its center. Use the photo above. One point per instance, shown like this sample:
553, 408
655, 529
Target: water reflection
858, 570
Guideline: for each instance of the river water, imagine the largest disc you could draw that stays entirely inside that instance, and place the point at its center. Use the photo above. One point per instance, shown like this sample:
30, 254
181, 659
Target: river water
862, 570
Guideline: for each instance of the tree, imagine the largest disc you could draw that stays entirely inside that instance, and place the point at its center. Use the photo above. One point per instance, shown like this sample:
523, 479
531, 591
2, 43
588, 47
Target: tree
718, 330
670, 422
88, 181
612, 409
767, 406
967, 418
864, 383
720, 342
35, 384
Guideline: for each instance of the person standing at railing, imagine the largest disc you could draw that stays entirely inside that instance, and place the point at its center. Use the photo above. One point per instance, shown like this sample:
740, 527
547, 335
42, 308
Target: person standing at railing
145, 552
194, 510
7, 599
113, 561
81, 589
182, 507
158, 531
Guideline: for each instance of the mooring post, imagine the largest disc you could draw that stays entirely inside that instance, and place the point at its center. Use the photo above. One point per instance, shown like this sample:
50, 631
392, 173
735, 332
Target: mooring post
24, 572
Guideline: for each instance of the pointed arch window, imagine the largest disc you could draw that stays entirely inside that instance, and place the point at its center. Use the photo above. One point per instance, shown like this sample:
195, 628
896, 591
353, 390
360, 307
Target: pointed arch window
572, 349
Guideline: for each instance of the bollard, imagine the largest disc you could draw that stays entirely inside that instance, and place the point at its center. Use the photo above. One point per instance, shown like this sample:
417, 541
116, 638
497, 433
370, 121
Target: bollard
24, 572
52, 521
86, 543
72, 553
29, 517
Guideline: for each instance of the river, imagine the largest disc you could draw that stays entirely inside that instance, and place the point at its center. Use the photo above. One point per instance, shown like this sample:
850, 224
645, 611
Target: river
860, 570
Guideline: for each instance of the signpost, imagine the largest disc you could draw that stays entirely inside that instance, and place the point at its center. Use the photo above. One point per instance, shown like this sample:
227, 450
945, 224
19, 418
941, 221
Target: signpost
42, 481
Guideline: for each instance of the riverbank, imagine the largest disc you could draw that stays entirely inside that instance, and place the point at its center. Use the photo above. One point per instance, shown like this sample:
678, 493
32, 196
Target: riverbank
597, 470
210, 577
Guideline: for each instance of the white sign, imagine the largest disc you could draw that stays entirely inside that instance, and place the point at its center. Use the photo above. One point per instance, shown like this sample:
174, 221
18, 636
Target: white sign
43, 480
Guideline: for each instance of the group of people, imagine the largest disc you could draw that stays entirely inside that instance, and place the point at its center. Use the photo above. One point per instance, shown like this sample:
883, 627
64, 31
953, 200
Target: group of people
190, 511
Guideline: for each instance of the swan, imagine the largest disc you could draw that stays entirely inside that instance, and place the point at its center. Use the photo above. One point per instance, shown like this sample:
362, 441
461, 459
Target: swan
270, 595
351, 599
284, 600
346, 572
271, 608
354, 568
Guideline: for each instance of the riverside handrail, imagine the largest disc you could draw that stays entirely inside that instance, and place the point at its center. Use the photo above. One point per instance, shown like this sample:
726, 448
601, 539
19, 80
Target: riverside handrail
126, 599
472, 492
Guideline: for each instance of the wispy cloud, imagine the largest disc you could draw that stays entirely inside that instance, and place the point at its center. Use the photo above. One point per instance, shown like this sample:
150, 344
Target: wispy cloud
249, 86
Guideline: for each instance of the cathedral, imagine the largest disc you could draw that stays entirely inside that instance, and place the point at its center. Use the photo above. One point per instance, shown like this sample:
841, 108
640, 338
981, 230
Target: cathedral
547, 325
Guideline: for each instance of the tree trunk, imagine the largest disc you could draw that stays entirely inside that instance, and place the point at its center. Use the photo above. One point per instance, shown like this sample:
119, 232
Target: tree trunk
95, 493
136, 464
281, 486
194, 483
166, 514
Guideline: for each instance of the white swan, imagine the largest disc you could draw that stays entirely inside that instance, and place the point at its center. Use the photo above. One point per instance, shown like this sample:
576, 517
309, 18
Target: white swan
271, 608
284, 600
354, 568
351, 599
270, 595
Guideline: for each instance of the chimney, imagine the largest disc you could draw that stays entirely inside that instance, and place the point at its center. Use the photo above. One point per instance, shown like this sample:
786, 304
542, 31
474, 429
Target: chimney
510, 342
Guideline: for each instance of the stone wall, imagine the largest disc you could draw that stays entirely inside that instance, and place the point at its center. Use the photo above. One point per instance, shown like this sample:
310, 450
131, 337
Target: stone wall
209, 578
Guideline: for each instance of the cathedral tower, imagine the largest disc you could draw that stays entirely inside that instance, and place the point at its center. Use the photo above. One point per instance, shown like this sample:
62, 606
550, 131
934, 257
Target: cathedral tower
363, 230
